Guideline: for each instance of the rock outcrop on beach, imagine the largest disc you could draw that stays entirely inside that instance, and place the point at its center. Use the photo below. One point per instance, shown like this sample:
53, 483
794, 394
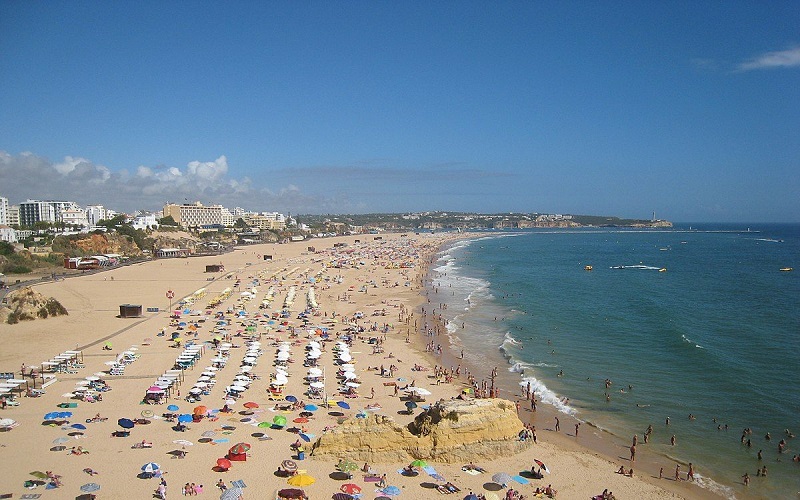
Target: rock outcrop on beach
454, 431
25, 305
96, 243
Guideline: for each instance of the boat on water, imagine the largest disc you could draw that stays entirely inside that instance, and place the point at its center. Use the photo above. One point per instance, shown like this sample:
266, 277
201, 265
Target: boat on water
587, 268
787, 269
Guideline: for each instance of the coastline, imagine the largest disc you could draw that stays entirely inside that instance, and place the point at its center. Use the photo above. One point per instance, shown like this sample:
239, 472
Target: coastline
93, 302
595, 441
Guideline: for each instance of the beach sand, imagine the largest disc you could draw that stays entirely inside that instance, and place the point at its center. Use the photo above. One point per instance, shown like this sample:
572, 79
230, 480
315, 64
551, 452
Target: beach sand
363, 283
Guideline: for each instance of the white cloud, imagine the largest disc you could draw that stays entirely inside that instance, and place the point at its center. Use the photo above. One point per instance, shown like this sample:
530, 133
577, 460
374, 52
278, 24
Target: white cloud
780, 59
78, 179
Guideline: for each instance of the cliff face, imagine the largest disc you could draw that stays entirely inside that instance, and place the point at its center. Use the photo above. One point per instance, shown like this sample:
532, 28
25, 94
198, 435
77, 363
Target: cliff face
93, 244
452, 431
25, 304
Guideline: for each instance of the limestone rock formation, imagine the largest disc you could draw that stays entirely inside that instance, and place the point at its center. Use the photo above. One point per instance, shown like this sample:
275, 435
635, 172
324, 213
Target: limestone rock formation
25, 304
454, 431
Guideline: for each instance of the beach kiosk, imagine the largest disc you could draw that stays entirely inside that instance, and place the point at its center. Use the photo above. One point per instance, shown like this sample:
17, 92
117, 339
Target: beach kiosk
215, 268
130, 311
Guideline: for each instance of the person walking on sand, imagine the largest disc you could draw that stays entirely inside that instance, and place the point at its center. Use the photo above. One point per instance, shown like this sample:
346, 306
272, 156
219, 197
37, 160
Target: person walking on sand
672, 440
558, 425
678, 472
633, 453
690, 473
576, 428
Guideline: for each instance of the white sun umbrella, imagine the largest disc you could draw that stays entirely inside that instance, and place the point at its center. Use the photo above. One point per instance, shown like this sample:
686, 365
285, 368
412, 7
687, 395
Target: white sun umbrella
250, 360
218, 360
195, 390
280, 376
245, 369
314, 372
238, 387
278, 382
212, 369
347, 367
350, 375
200, 384
345, 357
282, 356
204, 378
314, 344
317, 385
313, 355
230, 402
209, 374
352, 384
82, 382
419, 390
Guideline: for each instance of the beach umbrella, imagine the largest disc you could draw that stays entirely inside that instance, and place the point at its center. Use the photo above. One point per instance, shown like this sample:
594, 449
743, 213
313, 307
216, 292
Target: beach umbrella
291, 493
38, 474
7, 422
471, 496
392, 491
78, 426
64, 414
342, 496
224, 463
126, 423
354, 385
342, 404
316, 385
291, 399
542, 465
264, 425
150, 467
50, 416
410, 405
279, 420
200, 410
239, 448
60, 440
306, 436
147, 413
310, 408
350, 489
90, 487
301, 480
183, 442
419, 463
289, 465
184, 418
173, 408
232, 494
250, 404
502, 478
300, 420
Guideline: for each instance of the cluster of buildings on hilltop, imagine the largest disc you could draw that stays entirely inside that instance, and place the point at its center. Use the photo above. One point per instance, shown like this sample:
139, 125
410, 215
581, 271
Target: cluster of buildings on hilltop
17, 221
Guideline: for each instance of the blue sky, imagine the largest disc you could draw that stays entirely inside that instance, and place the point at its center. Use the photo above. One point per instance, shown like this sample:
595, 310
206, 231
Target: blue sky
690, 109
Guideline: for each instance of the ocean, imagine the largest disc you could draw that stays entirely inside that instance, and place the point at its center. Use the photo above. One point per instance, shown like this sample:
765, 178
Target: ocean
716, 336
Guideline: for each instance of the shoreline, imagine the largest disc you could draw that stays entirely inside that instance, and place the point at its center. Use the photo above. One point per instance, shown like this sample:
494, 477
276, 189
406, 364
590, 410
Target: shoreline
599, 442
367, 283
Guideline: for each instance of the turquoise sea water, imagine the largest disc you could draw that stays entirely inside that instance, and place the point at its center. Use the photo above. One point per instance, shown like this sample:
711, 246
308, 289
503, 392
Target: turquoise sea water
717, 335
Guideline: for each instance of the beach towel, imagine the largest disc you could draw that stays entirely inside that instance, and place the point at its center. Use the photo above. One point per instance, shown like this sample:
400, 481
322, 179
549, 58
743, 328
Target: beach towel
520, 479
471, 472
239, 483
432, 472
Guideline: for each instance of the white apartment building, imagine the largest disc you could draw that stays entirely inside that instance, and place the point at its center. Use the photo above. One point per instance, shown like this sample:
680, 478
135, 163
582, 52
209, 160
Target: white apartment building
4, 208
74, 218
96, 213
144, 220
194, 214
228, 219
33, 211
8, 234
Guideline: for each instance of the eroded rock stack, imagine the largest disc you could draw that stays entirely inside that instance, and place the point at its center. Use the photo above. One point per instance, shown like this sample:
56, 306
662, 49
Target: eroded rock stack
455, 431
25, 305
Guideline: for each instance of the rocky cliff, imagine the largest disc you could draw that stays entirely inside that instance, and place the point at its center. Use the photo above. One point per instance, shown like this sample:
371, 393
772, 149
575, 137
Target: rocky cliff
455, 431
94, 244
25, 304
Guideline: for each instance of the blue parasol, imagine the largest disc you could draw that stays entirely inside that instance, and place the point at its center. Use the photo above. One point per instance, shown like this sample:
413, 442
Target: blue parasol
291, 399
126, 423
184, 418
342, 404
78, 426
310, 408
172, 408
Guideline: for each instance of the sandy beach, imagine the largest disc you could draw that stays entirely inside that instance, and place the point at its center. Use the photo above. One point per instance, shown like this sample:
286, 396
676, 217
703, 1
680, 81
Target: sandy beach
374, 285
